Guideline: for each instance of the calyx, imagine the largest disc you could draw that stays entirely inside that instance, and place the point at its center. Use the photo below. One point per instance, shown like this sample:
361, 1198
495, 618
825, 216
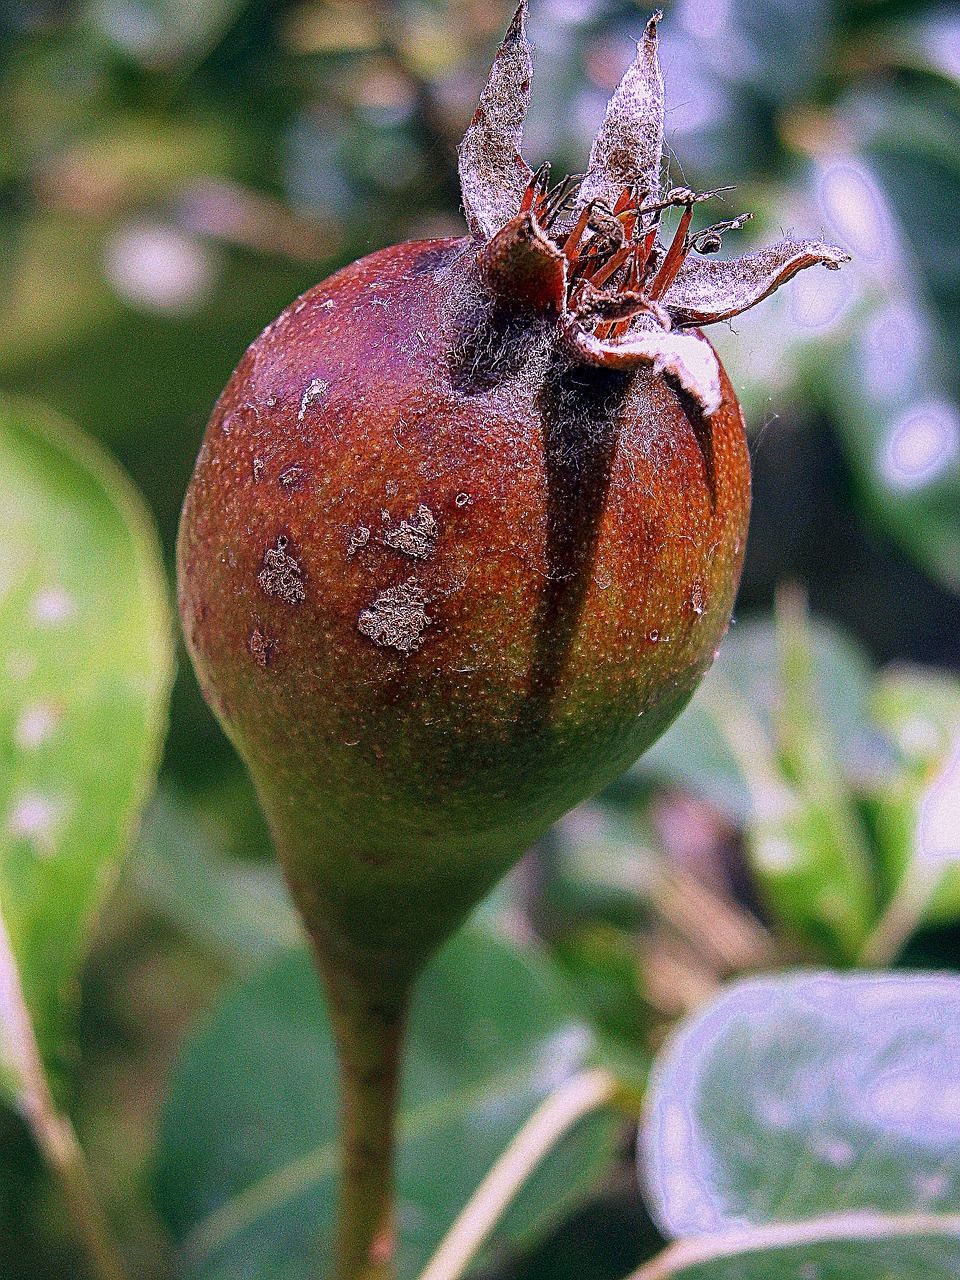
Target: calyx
588, 249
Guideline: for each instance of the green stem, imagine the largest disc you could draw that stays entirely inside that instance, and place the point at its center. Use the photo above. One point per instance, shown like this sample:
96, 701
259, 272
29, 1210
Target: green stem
51, 1129
737, 1252
899, 921
368, 1025
554, 1118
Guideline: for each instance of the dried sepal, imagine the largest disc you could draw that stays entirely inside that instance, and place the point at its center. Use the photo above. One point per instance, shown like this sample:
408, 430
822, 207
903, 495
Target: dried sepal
628, 150
706, 290
523, 269
493, 172
622, 298
684, 358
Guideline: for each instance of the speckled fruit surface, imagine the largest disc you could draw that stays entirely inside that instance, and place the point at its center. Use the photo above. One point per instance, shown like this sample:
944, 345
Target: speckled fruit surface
437, 601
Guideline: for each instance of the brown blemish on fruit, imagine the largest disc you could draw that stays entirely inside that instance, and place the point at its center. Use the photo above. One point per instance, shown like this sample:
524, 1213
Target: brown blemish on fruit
314, 390
262, 647
292, 479
358, 539
257, 470
414, 537
281, 574
397, 617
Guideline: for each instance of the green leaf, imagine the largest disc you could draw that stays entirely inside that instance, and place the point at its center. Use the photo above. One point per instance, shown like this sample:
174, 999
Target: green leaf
696, 751
893, 390
185, 874
247, 1158
828, 884
907, 1247
917, 810
85, 656
808, 1124
163, 31
774, 736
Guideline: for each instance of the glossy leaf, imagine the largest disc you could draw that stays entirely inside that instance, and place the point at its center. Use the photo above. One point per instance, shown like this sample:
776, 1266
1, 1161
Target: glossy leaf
895, 393
806, 1125
911, 1247
86, 659
809, 1094
247, 1159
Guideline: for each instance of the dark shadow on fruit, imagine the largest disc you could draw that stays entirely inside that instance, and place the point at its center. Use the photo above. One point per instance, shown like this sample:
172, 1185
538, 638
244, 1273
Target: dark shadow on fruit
580, 412
703, 431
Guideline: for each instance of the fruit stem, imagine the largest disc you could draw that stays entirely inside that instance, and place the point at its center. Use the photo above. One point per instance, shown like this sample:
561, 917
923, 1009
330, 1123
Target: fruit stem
368, 1026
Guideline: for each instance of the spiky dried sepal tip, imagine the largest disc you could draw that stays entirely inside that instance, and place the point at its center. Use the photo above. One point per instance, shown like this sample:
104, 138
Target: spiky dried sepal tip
589, 251
493, 172
628, 150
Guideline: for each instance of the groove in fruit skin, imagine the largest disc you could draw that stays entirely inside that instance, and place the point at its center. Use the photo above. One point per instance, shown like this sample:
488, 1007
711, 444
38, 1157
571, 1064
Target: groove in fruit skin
580, 412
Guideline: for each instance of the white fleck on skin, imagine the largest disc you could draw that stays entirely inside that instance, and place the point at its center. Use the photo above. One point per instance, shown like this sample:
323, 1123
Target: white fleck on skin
34, 818
51, 607
35, 725
313, 391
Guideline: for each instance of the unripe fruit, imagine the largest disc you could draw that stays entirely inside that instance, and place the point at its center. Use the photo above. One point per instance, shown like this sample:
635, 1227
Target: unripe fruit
450, 561
467, 525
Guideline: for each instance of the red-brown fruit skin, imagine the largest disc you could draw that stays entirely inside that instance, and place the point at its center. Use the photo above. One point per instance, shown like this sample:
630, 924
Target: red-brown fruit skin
574, 599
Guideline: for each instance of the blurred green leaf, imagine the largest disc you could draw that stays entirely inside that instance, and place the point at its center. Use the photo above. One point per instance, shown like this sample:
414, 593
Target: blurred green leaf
894, 388
604, 964
156, 32
602, 865
696, 753
918, 806
247, 1158
86, 661
184, 873
56, 291
773, 737
144, 383
831, 884
818, 1105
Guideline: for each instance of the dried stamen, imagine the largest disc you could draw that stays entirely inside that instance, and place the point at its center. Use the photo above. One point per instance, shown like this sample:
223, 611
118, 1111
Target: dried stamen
675, 256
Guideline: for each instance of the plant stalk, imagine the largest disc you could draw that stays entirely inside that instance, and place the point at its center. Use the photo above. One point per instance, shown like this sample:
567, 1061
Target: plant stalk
584, 1093
368, 1022
52, 1131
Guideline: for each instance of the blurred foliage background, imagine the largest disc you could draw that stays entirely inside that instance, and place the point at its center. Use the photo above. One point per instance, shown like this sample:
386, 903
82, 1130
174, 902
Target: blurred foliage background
174, 172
